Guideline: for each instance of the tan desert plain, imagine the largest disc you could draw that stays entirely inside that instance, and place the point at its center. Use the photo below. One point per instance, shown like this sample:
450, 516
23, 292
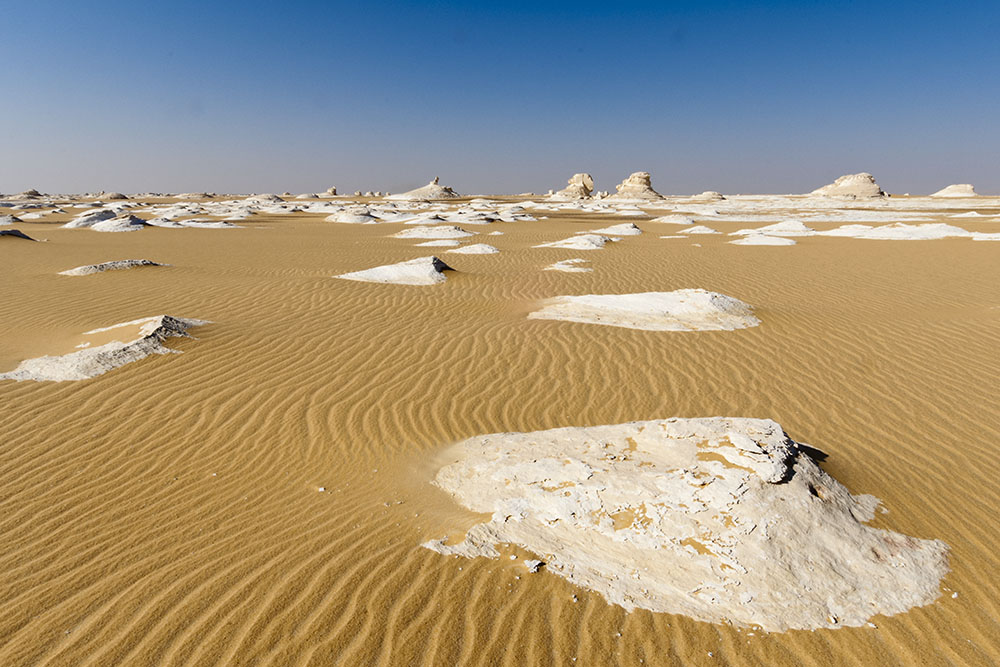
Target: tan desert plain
566, 428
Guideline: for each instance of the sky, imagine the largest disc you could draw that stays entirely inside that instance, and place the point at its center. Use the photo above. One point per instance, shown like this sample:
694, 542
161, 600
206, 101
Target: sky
502, 97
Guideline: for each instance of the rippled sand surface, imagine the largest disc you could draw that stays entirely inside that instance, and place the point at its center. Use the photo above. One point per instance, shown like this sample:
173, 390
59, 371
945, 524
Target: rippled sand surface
170, 511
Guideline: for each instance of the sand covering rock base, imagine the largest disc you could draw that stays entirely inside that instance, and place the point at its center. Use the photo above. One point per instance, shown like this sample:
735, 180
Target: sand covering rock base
93, 361
680, 310
719, 519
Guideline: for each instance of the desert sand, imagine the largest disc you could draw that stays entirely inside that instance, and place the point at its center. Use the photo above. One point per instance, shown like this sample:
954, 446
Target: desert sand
264, 494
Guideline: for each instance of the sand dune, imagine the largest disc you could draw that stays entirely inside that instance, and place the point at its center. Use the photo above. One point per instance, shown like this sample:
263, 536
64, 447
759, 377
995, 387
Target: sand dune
262, 498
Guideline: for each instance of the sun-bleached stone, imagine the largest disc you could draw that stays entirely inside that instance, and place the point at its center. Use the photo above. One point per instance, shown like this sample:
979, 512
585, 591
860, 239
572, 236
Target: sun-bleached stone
957, 190
680, 310
433, 232
144, 337
430, 192
355, 215
116, 265
637, 186
851, 185
121, 223
475, 249
579, 242
763, 239
580, 186
624, 229
420, 271
724, 520
569, 266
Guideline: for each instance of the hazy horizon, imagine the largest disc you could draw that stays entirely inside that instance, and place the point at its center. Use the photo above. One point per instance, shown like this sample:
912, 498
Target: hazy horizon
781, 97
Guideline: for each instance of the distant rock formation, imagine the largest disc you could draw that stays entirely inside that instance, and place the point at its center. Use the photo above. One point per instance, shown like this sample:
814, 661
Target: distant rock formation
429, 192
637, 186
851, 185
332, 191
580, 186
709, 195
109, 196
957, 190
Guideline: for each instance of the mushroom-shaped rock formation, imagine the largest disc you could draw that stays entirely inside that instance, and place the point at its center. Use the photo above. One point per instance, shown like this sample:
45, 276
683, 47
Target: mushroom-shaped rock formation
637, 186
580, 186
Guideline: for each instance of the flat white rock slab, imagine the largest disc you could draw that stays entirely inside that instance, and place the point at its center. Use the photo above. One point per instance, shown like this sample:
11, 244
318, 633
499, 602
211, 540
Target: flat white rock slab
116, 265
475, 249
436, 232
579, 242
420, 271
569, 266
624, 229
763, 239
719, 519
144, 337
680, 310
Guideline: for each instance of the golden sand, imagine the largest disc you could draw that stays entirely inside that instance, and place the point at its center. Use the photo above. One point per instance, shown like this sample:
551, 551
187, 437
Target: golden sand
169, 511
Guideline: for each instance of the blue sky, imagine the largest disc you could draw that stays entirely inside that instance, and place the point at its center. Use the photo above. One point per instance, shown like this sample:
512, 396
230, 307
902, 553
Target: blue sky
776, 96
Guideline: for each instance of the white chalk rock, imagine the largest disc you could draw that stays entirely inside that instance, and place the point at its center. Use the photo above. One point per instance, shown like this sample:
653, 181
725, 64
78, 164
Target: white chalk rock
724, 520
420, 271
90, 218
851, 185
579, 242
637, 186
144, 337
122, 223
569, 266
433, 232
475, 249
580, 186
680, 310
116, 265
699, 229
899, 231
439, 243
763, 239
356, 215
783, 228
957, 190
429, 192
624, 229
